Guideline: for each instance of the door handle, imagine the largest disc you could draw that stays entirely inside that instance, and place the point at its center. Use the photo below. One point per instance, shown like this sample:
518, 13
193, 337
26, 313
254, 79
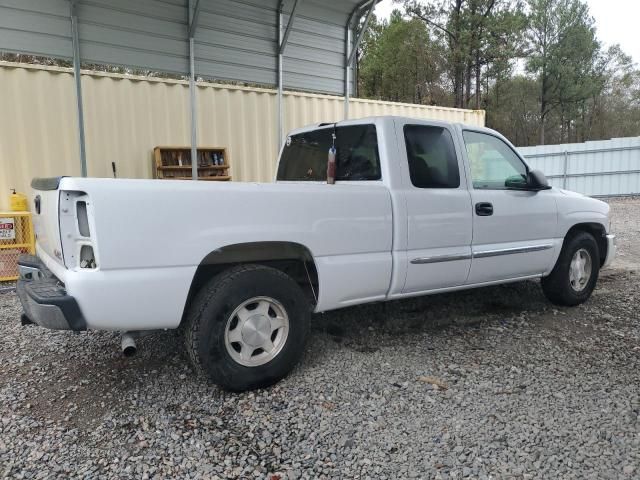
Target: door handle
484, 209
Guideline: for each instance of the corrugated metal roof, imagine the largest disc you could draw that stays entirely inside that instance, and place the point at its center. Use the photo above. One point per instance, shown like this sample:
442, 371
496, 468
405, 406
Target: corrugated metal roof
34, 26
235, 39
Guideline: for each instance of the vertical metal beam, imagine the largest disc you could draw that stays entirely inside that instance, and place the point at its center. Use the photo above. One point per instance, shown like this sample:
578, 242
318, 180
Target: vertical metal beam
193, 22
279, 79
361, 33
194, 113
283, 38
292, 17
193, 16
347, 71
351, 50
78, 82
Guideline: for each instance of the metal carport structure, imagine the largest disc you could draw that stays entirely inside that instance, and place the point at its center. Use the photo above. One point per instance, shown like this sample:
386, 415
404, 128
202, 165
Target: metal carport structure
304, 45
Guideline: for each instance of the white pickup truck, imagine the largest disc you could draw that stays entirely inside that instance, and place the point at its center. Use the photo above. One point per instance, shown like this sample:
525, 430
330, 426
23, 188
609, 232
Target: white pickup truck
418, 207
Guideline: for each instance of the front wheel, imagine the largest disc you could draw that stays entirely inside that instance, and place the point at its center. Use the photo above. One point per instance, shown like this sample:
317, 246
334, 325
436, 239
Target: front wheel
247, 328
574, 276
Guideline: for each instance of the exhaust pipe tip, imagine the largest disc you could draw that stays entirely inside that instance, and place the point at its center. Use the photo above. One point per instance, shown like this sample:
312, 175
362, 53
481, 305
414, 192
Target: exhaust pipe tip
128, 345
129, 351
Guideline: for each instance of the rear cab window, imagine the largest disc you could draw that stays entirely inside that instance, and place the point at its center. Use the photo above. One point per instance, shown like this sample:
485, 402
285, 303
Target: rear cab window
305, 155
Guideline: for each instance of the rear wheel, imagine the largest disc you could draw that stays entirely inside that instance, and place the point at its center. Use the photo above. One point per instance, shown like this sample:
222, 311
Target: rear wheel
247, 328
575, 274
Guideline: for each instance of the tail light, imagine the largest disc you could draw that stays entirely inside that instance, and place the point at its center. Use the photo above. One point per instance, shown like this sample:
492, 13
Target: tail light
76, 228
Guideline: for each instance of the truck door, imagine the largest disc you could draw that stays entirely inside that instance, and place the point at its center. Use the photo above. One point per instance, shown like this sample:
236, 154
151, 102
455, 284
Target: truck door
513, 230
438, 207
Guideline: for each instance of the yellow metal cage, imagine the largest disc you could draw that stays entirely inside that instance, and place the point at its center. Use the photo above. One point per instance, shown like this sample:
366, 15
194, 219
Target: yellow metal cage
16, 238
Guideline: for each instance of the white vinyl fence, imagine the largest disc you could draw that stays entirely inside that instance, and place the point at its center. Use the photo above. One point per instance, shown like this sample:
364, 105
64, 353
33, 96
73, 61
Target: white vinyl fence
598, 168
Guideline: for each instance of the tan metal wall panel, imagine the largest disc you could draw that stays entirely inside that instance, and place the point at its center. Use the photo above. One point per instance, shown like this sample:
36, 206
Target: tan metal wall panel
38, 128
243, 121
365, 108
304, 109
126, 117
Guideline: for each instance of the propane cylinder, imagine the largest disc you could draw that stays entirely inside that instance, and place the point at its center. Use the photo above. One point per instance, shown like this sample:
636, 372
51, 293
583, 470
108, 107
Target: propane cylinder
18, 202
331, 166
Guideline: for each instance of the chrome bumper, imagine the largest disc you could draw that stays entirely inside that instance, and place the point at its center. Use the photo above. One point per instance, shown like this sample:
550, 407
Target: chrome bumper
611, 250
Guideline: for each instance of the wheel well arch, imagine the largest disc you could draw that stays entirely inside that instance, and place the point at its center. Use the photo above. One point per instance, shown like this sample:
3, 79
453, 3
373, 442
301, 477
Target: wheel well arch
294, 259
598, 231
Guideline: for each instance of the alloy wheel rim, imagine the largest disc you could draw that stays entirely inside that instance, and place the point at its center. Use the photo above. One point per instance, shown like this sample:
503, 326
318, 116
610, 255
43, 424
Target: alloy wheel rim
580, 270
256, 331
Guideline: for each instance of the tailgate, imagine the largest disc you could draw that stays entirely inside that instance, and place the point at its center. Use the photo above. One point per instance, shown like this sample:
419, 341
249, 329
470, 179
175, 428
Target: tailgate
45, 205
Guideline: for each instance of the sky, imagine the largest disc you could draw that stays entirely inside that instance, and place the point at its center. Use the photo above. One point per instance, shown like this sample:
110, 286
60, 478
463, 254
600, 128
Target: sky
616, 21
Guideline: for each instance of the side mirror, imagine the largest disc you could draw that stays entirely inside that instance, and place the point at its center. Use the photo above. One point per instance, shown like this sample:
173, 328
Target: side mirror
517, 182
537, 181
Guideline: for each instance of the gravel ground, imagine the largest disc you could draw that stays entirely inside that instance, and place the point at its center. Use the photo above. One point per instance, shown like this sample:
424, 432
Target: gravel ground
490, 383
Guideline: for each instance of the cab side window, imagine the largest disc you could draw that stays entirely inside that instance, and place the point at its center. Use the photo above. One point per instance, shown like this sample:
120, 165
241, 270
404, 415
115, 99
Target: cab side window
432, 157
493, 163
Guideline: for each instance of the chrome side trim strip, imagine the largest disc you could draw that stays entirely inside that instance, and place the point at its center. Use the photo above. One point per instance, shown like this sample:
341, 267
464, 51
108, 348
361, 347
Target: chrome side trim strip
441, 258
511, 251
481, 254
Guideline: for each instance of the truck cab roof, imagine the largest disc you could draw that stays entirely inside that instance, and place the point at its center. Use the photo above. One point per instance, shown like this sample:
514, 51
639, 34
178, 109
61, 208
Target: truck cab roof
380, 119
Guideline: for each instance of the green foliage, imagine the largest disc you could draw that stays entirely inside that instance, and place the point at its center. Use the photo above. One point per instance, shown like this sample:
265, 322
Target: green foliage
512, 108
401, 62
563, 54
477, 34
537, 67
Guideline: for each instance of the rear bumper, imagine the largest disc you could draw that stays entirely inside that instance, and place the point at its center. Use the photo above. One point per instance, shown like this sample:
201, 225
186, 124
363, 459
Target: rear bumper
611, 250
44, 298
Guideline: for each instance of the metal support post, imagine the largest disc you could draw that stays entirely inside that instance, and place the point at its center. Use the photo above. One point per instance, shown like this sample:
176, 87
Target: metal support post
347, 72
193, 22
194, 113
78, 83
351, 50
279, 79
292, 17
283, 39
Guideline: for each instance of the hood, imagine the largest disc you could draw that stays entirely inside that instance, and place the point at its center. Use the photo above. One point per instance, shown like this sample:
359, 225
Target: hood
569, 193
570, 203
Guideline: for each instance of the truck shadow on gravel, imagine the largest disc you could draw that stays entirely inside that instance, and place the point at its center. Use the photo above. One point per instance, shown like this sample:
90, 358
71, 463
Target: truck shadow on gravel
367, 328
429, 313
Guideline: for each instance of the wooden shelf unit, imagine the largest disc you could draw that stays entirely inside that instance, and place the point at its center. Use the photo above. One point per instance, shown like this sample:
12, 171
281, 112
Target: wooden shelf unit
174, 163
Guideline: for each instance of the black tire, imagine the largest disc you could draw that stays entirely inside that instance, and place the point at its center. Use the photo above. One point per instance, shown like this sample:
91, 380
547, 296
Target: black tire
557, 286
207, 318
